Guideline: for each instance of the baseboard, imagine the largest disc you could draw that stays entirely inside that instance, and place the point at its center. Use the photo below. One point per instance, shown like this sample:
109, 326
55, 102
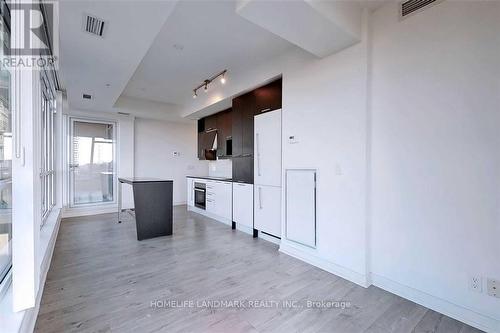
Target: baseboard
269, 238
245, 229
343, 272
447, 308
209, 215
30, 316
87, 211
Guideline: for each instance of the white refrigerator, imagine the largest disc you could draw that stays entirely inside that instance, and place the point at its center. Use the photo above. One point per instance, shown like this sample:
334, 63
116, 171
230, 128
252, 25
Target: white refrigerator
267, 173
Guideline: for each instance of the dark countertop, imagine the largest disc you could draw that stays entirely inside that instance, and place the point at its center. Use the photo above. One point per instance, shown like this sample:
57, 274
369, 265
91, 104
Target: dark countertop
132, 180
223, 179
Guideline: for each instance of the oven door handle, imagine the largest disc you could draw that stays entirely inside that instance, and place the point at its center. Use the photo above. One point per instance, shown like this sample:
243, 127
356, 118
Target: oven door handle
199, 190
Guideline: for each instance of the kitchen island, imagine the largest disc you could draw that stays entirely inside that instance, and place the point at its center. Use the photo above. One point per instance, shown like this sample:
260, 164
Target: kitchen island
153, 202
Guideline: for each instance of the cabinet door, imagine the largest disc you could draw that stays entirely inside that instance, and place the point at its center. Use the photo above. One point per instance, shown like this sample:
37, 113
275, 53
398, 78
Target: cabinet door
237, 126
267, 159
224, 131
243, 204
268, 97
267, 209
190, 192
211, 123
247, 124
224, 199
243, 169
201, 145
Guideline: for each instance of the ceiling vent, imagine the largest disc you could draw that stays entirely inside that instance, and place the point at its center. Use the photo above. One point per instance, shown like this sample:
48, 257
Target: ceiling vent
93, 25
414, 6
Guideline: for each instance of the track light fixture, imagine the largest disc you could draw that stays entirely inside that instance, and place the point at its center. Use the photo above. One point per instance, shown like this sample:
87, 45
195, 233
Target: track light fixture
206, 82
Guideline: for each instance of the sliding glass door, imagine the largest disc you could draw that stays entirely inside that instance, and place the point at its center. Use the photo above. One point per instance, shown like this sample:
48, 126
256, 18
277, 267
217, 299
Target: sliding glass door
92, 162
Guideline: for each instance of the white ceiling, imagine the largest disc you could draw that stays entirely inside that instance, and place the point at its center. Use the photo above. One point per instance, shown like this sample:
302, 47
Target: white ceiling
89, 63
200, 39
155, 52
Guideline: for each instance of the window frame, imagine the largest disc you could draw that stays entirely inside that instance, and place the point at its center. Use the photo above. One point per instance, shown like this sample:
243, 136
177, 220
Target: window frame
47, 151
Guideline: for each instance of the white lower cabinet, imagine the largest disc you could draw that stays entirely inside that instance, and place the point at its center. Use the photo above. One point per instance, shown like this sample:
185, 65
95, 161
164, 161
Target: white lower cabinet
218, 198
267, 209
243, 204
224, 199
190, 191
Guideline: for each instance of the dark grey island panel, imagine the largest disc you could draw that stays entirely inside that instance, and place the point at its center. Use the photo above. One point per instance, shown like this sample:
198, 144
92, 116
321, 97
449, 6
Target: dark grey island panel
153, 201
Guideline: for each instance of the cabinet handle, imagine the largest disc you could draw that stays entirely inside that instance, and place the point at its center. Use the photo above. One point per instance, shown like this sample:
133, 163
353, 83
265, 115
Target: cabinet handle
260, 197
258, 153
246, 155
265, 110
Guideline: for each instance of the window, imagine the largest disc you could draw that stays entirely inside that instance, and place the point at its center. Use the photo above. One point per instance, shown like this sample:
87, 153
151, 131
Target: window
5, 154
47, 173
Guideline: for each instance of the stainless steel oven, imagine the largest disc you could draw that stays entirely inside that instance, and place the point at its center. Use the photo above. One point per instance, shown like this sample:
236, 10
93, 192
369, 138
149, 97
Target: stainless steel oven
200, 196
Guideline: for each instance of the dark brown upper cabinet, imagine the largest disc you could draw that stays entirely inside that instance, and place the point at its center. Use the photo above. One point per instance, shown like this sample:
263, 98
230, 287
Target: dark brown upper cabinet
224, 133
268, 97
211, 123
243, 112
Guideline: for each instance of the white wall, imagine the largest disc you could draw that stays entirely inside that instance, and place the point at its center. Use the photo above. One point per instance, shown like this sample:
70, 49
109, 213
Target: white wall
155, 143
324, 107
435, 150
403, 129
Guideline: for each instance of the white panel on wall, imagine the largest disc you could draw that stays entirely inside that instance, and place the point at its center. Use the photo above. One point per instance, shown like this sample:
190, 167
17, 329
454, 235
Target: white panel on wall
300, 209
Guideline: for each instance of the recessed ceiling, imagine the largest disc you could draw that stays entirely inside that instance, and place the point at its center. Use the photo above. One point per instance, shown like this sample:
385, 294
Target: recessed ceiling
102, 66
153, 53
199, 39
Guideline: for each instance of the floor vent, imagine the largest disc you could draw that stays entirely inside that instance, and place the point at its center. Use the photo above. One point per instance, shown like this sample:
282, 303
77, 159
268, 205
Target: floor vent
93, 25
414, 6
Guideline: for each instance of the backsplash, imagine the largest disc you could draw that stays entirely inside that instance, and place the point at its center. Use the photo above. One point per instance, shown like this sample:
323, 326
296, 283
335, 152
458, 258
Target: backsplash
220, 168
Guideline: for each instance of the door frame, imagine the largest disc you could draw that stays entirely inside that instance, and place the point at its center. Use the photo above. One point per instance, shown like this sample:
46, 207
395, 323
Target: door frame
69, 160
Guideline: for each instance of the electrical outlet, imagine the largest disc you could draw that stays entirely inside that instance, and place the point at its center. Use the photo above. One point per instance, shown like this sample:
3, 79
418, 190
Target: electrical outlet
476, 284
493, 287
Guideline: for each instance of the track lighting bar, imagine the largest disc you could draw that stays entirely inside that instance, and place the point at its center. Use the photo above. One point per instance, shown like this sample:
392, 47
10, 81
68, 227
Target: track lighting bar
206, 82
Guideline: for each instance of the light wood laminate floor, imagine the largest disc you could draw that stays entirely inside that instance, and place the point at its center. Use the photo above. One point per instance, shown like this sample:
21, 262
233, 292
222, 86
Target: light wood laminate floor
103, 280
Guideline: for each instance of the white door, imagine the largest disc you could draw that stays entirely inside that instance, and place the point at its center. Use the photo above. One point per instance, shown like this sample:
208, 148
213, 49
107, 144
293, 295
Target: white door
243, 204
267, 209
267, 147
